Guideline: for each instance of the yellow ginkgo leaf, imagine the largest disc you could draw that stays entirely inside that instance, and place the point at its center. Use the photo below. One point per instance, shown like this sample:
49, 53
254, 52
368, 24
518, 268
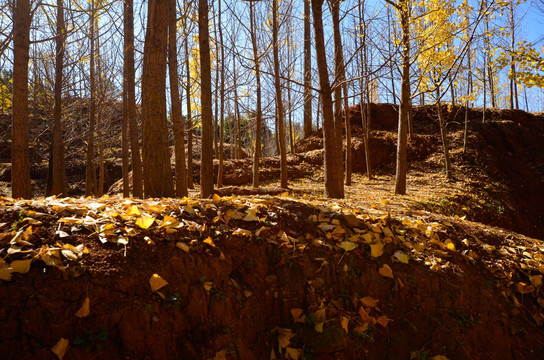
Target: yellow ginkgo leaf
345, 324
183, 246
348, 245
293, 354
402, 257
133, 211
169, 222
367, 301
386, 271
298, 315
383, 320
319, 327
207, 285
156, 282
85, 308
145, 221
216, 197
209, 241
376, 250
21, 266
241, 231
284, 337
5, 273
251, 215
61, 347
536, 280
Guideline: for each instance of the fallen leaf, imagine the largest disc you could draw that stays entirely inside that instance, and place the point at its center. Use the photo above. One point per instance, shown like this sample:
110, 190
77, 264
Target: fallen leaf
221, 355
216, 197
85, 308
183, 246
369, 302
133, 211
536, 280
524, 288
441, 357
348, 245
376, 250
241, 231
251, 215
345, 323
402, 257
20, 266
156, 282
386, 271
297, 315
383, 320
364, 315
61, 347
207, 285
5, 274
209, 241
293, 354
319, 327
145, 221
284, 337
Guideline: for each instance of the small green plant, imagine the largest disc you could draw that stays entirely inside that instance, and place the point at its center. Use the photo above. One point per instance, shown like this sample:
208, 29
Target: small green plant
216, 295
227, 330
92, 341
174, 301
310, 319
463, 319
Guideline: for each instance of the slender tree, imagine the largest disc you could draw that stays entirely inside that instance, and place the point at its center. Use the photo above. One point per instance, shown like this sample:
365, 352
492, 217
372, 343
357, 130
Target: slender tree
307, 70
129, 84
90, 171
334, 186
206, 165
177, 121
56, 180
258, 110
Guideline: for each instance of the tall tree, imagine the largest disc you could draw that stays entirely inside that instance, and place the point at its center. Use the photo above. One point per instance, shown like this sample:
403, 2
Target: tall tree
20, 158
156, 154
177, 121
90, 171
334, 186
279, 102
307, 70
190, 184
56, 179
206, 164
222, 100
129, 85
258, 110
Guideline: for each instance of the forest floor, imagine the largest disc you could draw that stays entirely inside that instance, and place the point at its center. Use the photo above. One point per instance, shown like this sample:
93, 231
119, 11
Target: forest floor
276, 273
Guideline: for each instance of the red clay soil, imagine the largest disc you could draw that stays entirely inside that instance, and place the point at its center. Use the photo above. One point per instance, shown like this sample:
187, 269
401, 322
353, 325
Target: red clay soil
232, 295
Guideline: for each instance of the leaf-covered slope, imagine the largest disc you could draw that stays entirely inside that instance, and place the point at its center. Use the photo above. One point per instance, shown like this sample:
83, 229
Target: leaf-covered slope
262, 277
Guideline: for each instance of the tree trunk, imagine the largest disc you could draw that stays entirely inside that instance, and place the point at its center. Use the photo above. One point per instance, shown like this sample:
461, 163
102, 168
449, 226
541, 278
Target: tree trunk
236, 111
258, 120
190, 181
206, 165
339, 80
90, 171
279, 102
124, 140
128, 63
307, 71
222, 103
334, 186
177, 120
56, 184
443, 136
20, 158
100, 143
404, 110
156, 153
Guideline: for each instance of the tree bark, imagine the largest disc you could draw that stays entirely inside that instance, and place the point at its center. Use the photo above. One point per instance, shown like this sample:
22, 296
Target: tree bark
190, 181
404, 110
222, 102
258, 119
156, 153
128, 63
57, 178
307, 71
279, 102
90, 171
177, 121
206, 165
334, 186
20, 158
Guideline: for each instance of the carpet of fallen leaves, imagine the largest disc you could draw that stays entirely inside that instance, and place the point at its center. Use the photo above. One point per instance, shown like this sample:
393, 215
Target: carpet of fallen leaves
290, 276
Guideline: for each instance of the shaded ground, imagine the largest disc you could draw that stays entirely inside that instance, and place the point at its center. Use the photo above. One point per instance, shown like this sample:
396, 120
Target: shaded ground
248, 277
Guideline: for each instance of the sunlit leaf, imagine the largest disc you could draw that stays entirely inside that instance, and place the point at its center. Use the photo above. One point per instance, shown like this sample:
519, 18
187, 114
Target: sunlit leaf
85, 308
345, 323
402, 257
383, 320
293, 354
21, 266
376, 250
156, 282
183, 246
209, 241
61, 348
241, 231
251, 215
133, 211
348, 245
145, 221
386, 271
